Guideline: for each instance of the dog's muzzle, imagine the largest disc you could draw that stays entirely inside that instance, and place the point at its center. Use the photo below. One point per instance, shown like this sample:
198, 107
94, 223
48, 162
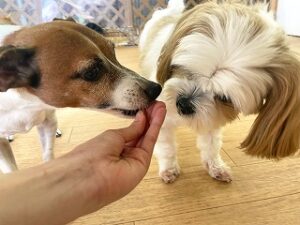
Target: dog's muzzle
185, 106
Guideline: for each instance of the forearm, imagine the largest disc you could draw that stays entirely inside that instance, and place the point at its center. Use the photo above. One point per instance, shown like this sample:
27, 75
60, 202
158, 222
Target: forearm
53, 193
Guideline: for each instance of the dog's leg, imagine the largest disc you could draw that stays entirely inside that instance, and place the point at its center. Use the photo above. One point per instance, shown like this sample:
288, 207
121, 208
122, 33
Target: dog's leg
10, 138
47, 132
58, 133
210, 145
165, 152
7, 159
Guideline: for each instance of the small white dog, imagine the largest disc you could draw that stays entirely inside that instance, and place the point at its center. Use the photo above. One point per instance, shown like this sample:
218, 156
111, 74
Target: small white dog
215, 61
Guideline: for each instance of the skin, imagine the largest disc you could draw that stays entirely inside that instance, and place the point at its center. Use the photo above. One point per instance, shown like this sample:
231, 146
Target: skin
94, 174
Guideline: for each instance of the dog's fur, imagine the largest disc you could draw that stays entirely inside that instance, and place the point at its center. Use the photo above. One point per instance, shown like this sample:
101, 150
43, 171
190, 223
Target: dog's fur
61, 64
215, 61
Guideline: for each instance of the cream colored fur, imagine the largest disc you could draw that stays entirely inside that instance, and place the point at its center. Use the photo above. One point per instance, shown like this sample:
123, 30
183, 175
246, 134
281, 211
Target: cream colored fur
226, 58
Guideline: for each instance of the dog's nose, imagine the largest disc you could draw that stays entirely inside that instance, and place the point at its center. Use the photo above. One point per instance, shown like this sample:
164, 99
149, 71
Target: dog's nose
184, 105
152, 91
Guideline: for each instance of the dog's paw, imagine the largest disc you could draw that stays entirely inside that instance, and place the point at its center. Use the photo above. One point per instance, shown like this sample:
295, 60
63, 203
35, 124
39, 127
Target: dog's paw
58, 133
169, 176
218, 172
10, 138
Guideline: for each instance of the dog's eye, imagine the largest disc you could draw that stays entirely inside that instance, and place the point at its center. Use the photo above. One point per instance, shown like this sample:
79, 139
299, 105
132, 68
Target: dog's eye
93, 73
223, 99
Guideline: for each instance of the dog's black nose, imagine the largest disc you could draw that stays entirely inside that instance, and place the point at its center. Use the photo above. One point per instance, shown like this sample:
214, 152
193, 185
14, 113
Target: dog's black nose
152, 91
185, 106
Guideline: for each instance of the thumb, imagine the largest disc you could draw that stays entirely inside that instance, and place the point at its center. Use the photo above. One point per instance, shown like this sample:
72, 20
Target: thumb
135, 130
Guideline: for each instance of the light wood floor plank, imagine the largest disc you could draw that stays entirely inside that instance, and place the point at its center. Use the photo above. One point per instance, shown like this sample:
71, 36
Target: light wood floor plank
96, 222
275, 211
197, 191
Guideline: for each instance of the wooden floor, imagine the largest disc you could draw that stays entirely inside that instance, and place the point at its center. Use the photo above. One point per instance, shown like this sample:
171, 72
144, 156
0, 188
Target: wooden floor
262, 192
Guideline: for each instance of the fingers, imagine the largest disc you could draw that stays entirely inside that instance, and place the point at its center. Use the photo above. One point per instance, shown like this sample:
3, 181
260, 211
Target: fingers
156, 115
150, 109
135, 130
139, 134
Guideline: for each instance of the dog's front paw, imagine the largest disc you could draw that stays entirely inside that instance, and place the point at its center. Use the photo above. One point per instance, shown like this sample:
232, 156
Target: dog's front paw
170, 175
218, 172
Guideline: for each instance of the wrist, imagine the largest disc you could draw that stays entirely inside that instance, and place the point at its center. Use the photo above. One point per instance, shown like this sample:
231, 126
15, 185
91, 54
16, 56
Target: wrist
61, 185
77, 173
80, 166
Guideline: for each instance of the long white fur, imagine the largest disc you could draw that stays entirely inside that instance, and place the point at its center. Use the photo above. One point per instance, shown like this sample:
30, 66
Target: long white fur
208, 59
173, 12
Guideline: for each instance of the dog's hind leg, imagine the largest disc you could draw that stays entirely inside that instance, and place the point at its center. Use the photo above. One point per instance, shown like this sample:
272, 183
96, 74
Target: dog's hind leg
11, 138
210, 145
47, 132
7, 159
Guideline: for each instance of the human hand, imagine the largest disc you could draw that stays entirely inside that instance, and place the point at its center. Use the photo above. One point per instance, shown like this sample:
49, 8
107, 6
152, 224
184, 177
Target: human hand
94, 174
120, 158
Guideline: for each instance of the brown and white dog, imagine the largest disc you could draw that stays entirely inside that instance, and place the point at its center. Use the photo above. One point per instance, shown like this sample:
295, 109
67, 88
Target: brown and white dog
61, 64
215, 61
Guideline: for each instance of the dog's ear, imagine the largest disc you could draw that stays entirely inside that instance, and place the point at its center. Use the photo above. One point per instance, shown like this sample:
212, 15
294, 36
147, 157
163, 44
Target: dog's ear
276, 130
18, 68
163, 67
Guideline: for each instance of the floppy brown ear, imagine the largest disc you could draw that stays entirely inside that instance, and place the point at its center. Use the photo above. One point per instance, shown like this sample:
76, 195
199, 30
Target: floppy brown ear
18, 68
276, 130
163, 67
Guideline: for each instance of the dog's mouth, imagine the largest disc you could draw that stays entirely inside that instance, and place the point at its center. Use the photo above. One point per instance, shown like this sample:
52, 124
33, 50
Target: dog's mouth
124, 112
127, 112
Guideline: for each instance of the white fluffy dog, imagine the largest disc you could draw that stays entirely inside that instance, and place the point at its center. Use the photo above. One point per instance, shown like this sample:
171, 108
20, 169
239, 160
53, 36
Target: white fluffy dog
215, 61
